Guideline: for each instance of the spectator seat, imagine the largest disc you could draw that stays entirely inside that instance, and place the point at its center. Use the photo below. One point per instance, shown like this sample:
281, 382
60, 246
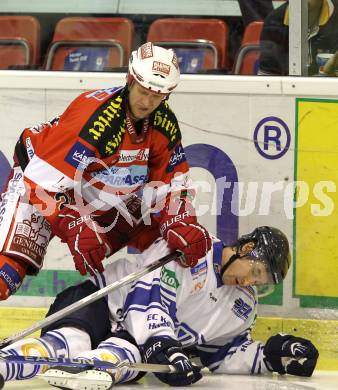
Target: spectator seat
19, 41
90, 44
198, 43
247, 57
252, 33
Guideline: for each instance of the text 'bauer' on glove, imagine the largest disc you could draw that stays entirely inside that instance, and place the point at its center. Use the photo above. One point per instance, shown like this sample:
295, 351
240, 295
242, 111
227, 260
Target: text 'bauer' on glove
162, 350
288, 354
86, 241
179, 227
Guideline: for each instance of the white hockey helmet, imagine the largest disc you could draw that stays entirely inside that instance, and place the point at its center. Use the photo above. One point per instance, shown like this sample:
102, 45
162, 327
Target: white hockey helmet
155, 68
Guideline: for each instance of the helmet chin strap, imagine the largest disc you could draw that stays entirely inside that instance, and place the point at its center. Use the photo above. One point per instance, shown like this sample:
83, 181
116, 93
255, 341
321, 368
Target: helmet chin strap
232, 259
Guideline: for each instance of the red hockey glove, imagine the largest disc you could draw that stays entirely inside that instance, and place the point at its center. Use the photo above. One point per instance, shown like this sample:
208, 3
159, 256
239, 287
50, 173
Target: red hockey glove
183, 232
86, 243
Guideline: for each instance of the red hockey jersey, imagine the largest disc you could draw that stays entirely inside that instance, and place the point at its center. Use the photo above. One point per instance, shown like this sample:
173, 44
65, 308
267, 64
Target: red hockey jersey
90, 154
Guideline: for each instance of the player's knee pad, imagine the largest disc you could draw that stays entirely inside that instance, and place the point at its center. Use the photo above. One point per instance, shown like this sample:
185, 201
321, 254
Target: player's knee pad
68, 341
12, 272
25, 347
31, 347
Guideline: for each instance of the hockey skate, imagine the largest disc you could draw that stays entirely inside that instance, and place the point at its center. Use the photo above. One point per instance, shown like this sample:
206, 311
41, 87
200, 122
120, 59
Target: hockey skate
72, 378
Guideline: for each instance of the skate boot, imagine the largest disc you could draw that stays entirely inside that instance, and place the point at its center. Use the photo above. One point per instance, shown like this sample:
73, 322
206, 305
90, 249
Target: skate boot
73, 378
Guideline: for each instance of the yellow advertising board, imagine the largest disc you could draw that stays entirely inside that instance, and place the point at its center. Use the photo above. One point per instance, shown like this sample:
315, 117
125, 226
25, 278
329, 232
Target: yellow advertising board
316, 214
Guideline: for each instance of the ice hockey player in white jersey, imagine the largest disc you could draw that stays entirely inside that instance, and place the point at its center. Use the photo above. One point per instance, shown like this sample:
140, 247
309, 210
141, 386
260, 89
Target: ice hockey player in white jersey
172, 314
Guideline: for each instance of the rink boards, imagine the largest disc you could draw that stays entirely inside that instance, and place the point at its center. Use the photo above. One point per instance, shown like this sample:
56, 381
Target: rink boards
323, 333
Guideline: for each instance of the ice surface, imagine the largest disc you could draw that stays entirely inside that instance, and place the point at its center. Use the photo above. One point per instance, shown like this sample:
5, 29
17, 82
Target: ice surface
321, 380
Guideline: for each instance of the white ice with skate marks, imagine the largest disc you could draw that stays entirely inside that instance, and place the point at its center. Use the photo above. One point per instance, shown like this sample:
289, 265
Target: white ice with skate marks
321, 380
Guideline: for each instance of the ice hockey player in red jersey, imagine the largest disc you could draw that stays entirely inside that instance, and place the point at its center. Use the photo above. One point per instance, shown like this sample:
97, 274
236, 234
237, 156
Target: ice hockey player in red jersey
76, 177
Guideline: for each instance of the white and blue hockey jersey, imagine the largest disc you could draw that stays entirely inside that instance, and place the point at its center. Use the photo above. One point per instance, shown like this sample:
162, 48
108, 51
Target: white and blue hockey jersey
190, 305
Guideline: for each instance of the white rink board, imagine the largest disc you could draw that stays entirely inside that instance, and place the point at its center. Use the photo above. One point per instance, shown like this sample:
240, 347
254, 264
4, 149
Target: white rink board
221, 112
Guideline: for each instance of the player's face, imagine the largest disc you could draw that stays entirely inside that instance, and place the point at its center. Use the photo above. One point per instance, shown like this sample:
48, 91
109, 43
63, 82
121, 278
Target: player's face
246, 271
143, 102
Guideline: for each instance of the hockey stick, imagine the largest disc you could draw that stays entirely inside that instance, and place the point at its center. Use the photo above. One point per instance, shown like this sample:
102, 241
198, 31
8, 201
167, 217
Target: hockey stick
82, 363
90, 298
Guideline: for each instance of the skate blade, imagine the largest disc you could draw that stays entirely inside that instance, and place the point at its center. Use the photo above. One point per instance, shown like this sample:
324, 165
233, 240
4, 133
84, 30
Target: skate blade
85, 380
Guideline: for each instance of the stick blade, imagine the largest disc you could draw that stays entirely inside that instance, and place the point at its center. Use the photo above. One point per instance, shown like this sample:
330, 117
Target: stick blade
70, 378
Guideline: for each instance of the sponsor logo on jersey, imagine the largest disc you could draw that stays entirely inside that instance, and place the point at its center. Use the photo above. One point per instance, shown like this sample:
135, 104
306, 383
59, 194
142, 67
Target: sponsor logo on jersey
177, 157
106, 127
164, 324
199, 276
44, 125
102, 94
126, 156
212, 297
123, 176
168, 277
31, 238
197, 287
199, 269
11, 277
79, 156
165, 121
241, 309
29, 148
13, 191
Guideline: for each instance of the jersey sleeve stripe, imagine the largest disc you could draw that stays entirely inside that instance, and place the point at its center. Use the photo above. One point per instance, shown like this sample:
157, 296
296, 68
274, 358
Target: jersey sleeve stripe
46, 176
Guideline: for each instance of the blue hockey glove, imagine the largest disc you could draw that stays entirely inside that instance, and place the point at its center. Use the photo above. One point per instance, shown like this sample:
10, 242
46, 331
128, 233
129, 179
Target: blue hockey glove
160, 350
288, 354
